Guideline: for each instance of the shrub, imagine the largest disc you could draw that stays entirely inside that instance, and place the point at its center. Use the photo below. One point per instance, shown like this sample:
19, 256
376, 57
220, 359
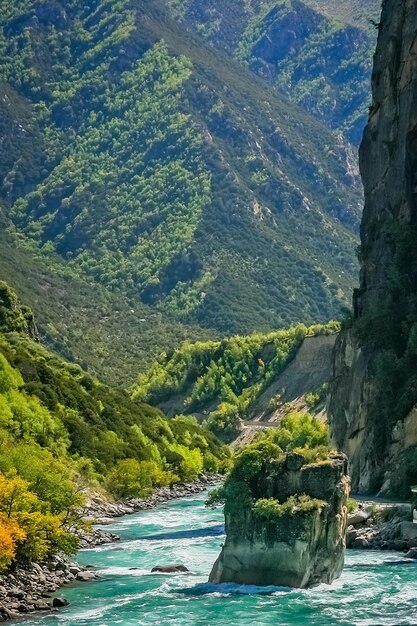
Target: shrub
352, 505
136, 479
270, 509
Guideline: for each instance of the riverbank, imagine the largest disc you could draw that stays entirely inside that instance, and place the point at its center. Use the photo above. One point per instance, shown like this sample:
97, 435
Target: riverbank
382, 526
102, 513
28, 588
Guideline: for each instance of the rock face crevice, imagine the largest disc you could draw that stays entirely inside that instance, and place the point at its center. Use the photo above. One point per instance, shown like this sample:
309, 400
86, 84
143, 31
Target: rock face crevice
300, 547
374, 375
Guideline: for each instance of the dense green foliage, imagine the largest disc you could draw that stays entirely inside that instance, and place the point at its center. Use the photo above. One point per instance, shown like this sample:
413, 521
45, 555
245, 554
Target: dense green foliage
271, 510
158, 191
28, 529
62, 430
13, 316
262, 461
221, 380
317, 52
147, 161
59, 406
101, 331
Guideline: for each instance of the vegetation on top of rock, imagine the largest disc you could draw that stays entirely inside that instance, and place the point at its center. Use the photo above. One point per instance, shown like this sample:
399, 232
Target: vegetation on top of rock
219, 381
256, 464
285, 516
147, 161
270, 509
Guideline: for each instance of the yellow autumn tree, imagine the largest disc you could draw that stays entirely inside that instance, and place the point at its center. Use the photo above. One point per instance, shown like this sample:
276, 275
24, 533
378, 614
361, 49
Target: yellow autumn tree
27, 528
10, 534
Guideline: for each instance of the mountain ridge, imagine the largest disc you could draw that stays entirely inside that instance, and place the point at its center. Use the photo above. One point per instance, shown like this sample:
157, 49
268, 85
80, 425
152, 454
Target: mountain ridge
318, 53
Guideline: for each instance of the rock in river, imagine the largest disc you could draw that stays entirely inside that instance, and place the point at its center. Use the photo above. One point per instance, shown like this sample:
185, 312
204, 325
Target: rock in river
276, 537
169, 569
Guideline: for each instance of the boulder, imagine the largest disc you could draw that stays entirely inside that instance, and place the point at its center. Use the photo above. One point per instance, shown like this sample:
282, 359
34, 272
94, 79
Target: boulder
358, 517
86, 576
295, 461
170, 569
360, 543
41, 605
59, 602
351, 535
412, 553
408, 531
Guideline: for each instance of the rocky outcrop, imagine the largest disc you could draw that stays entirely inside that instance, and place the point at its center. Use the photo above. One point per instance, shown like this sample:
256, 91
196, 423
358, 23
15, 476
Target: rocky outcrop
381, 527
375, 368
285, 540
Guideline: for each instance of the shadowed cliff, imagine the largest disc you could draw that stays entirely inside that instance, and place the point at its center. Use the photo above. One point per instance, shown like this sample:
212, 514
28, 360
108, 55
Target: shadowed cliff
374, 388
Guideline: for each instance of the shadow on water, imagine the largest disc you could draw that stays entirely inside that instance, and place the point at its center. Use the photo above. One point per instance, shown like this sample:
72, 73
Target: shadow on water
231, 589
195, 533
367, 566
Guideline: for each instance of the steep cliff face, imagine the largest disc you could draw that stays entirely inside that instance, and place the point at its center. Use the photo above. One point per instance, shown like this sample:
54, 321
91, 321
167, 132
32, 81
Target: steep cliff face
287, 539
375, 370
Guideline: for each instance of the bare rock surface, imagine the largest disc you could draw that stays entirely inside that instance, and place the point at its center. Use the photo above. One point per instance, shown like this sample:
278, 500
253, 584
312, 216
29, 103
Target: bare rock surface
170, 569
371, 409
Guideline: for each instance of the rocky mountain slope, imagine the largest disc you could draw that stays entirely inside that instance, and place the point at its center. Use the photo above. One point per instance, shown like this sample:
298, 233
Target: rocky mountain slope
243, 384
375, 374
160, 168
316, 52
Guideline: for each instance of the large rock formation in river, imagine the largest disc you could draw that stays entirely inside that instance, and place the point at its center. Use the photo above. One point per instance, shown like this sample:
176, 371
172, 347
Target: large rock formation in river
374, 391
284, 538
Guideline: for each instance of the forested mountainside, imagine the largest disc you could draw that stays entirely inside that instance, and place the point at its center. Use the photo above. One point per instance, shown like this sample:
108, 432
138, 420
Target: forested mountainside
355, 12
162, 169
316, 52
87, 324
225, 382
62, 430
374, 393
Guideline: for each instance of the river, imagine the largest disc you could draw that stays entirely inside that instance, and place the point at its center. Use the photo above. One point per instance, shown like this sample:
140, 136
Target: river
372, 591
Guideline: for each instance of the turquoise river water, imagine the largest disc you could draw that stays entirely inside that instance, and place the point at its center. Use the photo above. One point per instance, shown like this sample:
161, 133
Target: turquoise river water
373, 590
